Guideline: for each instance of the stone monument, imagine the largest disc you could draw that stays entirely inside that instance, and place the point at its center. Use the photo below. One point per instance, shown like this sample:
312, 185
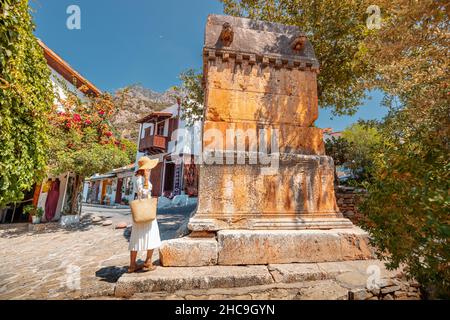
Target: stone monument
266, 188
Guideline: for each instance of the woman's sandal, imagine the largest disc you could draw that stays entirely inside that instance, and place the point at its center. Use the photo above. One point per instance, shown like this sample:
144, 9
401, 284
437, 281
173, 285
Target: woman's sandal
149, 267
136, 269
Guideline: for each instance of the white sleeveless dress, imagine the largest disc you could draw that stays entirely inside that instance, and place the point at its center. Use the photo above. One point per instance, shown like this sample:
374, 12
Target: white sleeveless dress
144, 236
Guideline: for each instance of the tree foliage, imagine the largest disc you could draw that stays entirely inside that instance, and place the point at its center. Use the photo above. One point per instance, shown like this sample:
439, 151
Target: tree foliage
337, 31
355, 150
364, 140
407, 208
83, 140
26, 96
191, 96
339, 149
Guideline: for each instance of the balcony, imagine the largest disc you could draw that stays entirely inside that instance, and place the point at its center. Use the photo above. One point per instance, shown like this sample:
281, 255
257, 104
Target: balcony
153, 144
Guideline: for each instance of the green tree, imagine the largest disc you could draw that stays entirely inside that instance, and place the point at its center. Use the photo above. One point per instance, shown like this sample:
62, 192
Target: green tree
407, 208
191, 95
337, 31
355, 150
364, 140
340, 150
26, 96
83, 140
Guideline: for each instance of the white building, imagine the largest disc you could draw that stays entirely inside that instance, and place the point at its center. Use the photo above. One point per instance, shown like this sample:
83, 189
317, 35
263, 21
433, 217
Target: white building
63, 76
165, 135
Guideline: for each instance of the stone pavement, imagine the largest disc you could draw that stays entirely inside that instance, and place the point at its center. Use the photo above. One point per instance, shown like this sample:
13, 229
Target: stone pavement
49, 262
90, 261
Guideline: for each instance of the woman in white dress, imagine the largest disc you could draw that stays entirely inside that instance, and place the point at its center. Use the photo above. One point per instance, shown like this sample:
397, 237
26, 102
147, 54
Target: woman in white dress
144, 236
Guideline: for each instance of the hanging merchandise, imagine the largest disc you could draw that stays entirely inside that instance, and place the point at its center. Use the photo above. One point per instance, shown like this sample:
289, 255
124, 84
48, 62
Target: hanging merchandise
52, 201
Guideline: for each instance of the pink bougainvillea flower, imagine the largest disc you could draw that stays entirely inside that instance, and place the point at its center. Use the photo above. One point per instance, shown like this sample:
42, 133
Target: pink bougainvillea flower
76, 117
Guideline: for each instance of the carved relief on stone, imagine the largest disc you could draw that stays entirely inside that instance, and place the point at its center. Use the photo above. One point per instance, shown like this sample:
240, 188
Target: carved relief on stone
227, 34
299, 43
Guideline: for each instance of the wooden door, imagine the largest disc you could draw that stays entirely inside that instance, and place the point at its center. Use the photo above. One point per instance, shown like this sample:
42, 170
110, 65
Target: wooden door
119, 191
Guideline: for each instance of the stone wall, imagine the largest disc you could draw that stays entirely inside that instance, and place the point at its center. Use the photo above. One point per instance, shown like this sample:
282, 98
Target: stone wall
347, 200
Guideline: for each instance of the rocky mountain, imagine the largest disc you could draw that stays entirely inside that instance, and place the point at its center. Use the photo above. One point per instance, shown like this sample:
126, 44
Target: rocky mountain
136, 102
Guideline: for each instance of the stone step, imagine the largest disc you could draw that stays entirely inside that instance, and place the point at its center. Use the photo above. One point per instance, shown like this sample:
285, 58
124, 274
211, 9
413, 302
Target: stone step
307, 290
169, 280
184, 278
262, 247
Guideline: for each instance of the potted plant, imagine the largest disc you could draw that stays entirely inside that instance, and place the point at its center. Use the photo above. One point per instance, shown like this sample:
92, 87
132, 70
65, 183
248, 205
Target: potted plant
38, 216
36, 213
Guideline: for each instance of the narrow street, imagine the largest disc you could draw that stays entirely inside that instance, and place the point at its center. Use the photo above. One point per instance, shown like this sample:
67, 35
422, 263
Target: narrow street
51, 262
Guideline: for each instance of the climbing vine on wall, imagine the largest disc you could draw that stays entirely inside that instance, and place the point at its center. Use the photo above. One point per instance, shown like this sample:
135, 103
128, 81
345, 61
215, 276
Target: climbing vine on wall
26, 97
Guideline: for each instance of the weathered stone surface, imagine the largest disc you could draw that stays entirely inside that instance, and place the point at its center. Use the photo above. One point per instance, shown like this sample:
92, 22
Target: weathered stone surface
240, 247
240, 196
235, 106
263, 76
97, 219
290, 281
121, 225
107, 223
353, 280
335, 268
324, 290
390, 289
359, 294
189, 252
297, 272
39, 227
290, 138
400, 295
253, 78
258, 37
388, 297
172, 279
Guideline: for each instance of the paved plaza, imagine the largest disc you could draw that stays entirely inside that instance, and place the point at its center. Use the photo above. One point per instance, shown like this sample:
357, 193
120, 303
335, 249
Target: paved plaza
47, 261
51, 262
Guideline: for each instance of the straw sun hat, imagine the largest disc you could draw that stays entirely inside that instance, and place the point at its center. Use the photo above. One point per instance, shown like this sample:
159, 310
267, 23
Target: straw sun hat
145, 163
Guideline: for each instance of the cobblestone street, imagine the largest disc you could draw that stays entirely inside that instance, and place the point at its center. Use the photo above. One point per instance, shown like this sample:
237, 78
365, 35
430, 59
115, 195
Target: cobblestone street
50, 262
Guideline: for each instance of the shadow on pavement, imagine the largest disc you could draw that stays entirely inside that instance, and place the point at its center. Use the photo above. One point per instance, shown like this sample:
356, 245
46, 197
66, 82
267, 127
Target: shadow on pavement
15, 230
111, 274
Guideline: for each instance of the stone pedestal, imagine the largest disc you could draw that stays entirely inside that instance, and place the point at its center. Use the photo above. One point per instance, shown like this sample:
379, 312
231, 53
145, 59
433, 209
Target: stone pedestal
297, 195
266, 187
255, 247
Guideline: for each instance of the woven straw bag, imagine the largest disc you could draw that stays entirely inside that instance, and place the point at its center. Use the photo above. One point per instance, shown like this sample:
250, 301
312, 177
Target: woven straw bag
144, 210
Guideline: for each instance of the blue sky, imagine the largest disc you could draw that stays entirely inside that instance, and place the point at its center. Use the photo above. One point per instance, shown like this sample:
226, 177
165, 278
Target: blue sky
145, 42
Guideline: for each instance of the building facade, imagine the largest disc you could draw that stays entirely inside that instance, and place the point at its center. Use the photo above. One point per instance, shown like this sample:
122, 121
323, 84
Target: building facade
55, 193
113, 188
166, 136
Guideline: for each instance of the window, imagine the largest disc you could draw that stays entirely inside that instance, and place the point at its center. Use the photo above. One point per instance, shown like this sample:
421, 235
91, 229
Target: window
147, 132
160, 129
